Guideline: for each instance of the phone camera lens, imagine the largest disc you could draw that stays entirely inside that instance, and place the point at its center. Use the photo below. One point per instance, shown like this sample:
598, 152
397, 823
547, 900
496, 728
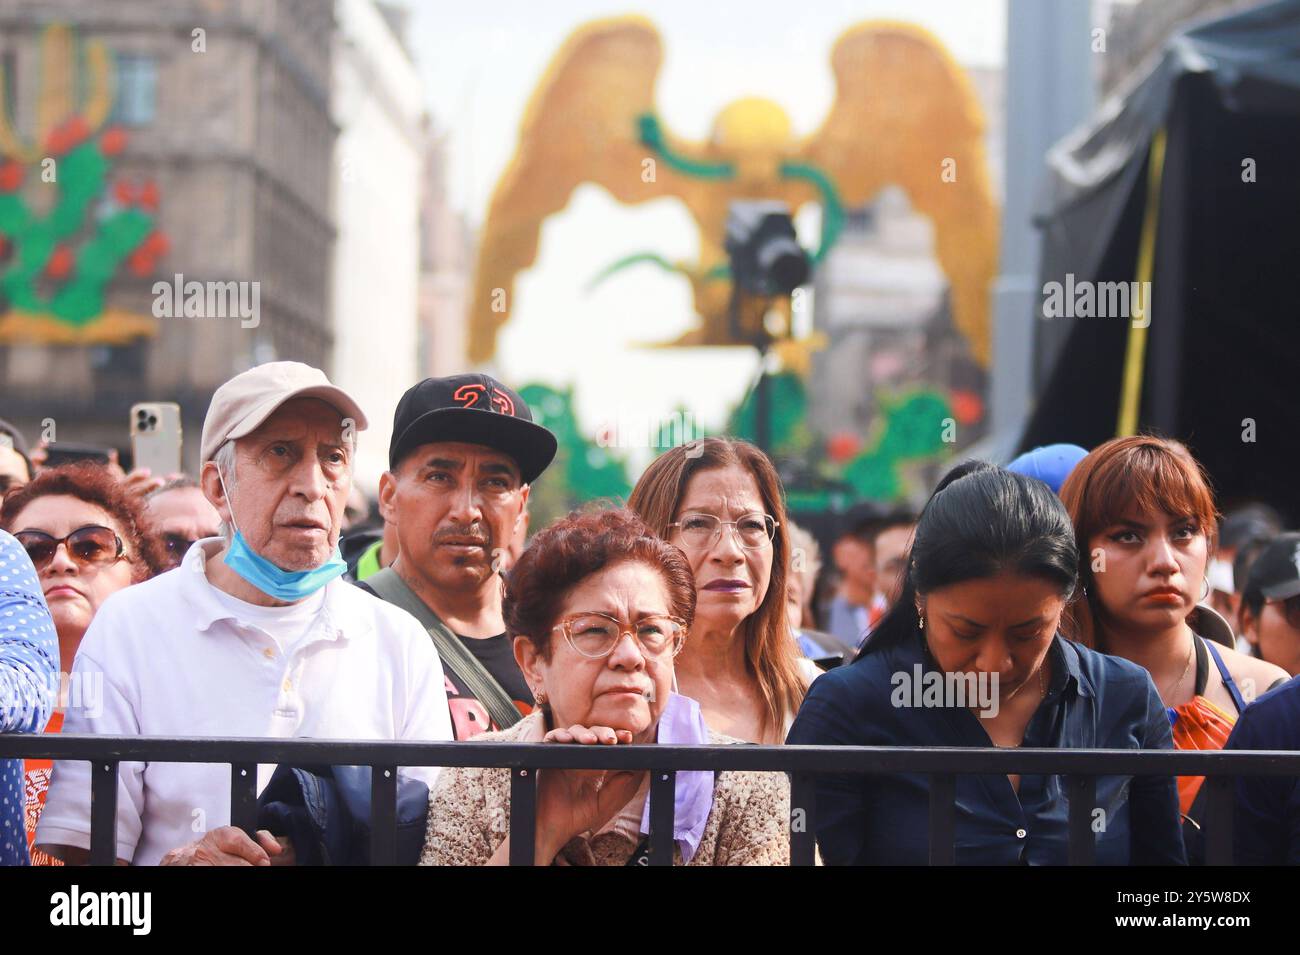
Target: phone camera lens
153, 422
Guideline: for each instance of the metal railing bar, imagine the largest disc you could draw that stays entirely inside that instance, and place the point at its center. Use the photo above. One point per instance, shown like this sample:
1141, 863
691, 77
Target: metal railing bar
383, 815
943, 818
803, 819
662, 794
103, 812
1082, 791
791, 759
243, 797
523, 815
1219, 807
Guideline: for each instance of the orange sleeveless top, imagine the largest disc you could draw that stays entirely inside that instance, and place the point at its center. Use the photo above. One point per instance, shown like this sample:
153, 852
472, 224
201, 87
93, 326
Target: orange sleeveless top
1198, 723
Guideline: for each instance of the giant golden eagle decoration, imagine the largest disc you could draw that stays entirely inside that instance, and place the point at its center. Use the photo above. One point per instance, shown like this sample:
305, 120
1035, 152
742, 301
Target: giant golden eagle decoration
904, 114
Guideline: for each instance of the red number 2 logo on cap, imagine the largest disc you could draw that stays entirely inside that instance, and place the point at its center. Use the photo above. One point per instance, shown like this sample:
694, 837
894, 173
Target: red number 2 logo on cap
501, 401
468, 395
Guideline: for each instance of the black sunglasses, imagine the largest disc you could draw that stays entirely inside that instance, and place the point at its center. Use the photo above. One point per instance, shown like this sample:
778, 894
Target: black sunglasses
91, 546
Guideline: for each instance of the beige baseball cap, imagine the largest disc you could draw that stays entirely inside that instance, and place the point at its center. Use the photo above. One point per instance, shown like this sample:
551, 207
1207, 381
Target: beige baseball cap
240, 405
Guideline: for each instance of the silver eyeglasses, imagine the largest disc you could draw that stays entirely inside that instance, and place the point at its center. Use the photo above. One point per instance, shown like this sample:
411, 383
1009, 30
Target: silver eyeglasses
702, 530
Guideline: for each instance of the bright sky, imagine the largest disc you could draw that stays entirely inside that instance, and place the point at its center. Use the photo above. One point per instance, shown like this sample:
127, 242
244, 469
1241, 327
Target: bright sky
481, 62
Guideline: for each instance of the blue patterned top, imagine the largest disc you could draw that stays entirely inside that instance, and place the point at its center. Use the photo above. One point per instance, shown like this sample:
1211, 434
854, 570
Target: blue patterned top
29, 669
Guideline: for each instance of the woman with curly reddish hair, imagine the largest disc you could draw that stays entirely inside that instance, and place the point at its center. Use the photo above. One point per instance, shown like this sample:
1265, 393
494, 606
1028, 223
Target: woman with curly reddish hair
598, 608
1145, 520
85, 537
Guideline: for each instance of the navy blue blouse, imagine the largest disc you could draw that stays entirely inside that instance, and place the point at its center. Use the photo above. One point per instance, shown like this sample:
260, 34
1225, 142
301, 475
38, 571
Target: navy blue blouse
1094, 701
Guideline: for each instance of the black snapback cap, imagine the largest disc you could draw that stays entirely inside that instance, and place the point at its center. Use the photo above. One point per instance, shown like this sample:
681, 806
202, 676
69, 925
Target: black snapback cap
475, 409
1275, 574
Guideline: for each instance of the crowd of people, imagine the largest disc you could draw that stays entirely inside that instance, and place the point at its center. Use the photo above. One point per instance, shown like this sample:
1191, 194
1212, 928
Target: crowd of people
1091, 599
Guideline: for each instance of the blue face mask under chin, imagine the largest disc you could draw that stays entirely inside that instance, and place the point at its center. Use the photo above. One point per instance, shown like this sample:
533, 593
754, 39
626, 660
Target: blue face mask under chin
287, 585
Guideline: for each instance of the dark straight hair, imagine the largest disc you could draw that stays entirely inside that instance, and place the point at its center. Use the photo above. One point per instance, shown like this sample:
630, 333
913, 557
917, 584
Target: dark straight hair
982, 520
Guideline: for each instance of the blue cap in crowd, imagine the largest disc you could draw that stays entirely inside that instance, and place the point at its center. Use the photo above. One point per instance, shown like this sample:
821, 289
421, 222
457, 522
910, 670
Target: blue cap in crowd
1051, 463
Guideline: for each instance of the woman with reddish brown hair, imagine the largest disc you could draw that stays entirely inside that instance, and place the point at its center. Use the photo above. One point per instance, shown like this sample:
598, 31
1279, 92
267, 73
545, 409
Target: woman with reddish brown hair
599, 609
1145, 521
85, 537
721, 502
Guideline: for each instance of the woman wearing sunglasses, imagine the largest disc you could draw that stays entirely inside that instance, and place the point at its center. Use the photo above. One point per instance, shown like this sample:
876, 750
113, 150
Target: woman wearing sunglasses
720, 501
83, 535
598, 609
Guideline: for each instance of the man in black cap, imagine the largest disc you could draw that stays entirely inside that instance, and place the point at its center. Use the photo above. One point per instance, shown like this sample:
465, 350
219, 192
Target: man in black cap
464, 452
1270, 603
1266, 818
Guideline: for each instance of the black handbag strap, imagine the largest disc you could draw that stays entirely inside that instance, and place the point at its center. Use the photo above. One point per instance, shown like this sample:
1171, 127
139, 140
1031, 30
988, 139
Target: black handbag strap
455, 655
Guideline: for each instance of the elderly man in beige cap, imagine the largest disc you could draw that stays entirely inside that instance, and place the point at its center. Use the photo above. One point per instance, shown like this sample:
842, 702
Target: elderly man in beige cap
253, 635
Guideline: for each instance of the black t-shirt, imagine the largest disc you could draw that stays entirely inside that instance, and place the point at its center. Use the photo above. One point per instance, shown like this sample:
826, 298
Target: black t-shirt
469, 717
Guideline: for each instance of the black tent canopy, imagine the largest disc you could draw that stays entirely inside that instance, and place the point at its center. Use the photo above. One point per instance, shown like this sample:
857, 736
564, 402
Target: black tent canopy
1202, 157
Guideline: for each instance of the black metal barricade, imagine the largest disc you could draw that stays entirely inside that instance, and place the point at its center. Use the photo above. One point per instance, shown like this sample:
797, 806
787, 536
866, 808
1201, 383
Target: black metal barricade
1079, 767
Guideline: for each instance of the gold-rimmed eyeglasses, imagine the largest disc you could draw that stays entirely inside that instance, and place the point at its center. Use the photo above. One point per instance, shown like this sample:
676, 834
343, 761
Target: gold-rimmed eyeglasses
595, 635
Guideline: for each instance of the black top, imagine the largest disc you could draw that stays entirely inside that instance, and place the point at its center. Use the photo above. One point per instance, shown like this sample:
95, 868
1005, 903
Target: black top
469, 717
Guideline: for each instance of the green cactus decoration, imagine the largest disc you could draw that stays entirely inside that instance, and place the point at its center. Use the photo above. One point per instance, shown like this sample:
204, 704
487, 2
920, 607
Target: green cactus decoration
44, 277
582, 470
913, 429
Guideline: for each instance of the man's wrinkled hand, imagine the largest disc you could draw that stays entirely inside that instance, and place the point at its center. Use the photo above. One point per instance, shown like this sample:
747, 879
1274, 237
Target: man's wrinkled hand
231, 846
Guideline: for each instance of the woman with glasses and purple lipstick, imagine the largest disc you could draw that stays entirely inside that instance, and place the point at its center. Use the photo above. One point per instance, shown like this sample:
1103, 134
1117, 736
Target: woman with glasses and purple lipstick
84, 537
599, 609
720, 501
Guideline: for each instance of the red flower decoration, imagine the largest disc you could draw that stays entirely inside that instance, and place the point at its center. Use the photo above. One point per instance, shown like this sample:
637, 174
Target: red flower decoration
967, 407
156, 244
11, 176
140, 263
67, 134
149, 196
124, 192
113, 141
842, 446
60, 263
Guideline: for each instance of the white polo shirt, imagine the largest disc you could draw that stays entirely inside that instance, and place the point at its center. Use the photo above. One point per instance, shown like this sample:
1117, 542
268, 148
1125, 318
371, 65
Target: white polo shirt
176, 659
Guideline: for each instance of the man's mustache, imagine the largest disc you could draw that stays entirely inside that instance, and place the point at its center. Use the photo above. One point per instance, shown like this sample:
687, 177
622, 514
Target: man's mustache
477, 535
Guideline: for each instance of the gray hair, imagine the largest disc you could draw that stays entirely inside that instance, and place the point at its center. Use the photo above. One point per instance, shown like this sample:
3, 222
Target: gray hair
224, 459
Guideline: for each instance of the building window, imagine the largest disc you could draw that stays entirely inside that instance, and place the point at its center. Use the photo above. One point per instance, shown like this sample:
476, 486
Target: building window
118, 368
137, 90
